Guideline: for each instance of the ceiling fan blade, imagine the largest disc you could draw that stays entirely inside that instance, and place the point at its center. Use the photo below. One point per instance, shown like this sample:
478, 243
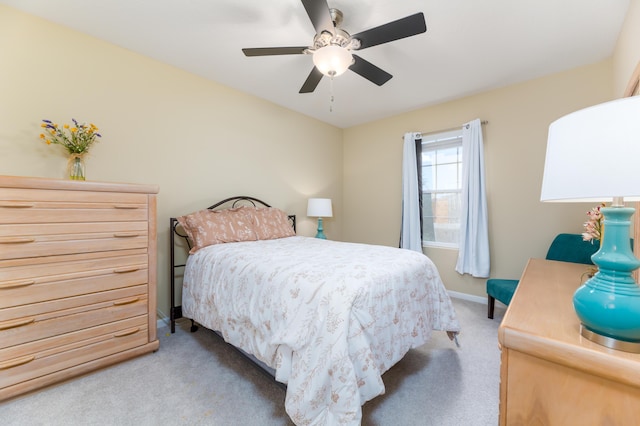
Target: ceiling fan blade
268, 51
312, 81
318, 11
369, 71
402, 28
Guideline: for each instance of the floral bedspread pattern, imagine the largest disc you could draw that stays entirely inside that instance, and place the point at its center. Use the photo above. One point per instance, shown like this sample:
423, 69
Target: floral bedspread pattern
329, 317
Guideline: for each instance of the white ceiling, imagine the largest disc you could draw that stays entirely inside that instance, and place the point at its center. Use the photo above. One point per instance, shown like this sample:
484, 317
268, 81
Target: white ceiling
470, 46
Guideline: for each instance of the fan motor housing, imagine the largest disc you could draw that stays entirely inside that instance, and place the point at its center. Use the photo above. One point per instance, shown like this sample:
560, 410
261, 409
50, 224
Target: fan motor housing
340, 38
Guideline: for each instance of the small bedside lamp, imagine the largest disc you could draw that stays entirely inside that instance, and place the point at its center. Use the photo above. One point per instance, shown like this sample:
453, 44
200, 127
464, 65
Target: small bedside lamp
592, 156
319, 207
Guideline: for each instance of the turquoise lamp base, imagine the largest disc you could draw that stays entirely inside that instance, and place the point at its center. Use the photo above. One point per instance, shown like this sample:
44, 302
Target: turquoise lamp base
608, 304
320, 233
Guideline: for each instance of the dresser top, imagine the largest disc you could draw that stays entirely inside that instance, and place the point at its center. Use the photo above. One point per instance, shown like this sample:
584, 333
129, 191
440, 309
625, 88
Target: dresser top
74, 185
542, 322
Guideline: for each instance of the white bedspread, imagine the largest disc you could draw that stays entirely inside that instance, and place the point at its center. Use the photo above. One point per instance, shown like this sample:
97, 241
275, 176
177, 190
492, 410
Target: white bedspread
329, 317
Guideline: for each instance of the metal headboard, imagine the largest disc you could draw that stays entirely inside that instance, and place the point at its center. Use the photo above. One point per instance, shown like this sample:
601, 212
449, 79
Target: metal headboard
231, 202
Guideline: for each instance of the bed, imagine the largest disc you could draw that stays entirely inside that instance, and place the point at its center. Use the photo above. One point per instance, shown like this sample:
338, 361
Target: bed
327, 318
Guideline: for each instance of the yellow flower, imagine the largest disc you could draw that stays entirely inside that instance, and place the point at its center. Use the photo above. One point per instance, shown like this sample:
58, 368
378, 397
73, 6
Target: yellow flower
75, 139
41, 135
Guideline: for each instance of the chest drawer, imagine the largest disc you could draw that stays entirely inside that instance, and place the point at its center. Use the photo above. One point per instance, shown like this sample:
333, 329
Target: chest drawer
29, 282
63, 212
53, 323
37, 240
17, 199
74, 349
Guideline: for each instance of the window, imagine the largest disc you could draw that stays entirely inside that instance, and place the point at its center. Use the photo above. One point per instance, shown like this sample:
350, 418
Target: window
441, 188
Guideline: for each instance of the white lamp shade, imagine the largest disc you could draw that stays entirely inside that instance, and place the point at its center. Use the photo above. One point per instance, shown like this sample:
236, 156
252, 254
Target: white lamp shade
332, 60
593, 154
319, 207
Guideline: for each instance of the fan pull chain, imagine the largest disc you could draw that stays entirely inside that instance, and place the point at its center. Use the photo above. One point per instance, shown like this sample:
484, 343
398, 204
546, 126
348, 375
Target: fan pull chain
331, 94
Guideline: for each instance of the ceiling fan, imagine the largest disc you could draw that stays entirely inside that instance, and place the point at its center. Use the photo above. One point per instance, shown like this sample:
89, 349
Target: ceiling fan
333, 46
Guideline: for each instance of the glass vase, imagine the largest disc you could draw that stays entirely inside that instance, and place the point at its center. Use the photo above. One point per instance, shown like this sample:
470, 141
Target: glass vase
76, 168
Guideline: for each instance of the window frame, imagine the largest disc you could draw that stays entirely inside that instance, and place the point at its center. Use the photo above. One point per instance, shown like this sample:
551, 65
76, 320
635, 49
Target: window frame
432, 142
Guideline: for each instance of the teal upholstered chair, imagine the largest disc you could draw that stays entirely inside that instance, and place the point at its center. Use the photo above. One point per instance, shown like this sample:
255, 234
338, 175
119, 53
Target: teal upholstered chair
565, 247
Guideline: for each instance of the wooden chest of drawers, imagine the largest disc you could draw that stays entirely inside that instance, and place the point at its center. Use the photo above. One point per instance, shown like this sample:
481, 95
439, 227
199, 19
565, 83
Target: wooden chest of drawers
77, 278
549, 373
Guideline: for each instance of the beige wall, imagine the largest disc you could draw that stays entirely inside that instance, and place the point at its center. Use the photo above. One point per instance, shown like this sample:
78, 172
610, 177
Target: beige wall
199, 141
626, 57
515, 141
520, 226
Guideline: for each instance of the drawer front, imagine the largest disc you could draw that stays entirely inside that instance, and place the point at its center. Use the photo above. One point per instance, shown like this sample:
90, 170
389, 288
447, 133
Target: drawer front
21, 369
28, 329
72, 230
20, 198
50, 308
66, 342
59, 206
38, 240
26, 284
44, 212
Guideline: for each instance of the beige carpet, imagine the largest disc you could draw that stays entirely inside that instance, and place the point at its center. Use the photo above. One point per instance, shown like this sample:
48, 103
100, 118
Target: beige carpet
197, 379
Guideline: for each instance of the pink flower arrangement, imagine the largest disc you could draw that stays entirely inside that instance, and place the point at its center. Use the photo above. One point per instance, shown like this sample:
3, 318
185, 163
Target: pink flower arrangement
593, 227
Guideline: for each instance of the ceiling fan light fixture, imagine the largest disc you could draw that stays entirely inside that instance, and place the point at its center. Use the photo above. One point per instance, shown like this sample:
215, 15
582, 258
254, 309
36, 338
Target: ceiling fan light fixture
332, 60
332, 45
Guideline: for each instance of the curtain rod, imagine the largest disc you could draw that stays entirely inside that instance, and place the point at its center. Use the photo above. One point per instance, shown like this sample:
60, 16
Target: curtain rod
483, 122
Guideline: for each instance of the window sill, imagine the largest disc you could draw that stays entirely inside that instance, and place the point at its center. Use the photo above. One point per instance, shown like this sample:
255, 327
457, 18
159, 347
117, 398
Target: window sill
445, 246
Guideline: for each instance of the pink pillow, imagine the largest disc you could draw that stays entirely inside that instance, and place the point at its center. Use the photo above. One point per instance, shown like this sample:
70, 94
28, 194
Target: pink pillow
207, 227
271, 223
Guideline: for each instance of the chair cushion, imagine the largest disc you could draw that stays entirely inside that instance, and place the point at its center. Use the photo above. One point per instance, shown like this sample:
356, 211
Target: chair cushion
501, 290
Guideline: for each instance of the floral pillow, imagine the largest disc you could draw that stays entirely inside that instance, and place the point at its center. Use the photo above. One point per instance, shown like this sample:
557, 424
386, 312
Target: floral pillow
208, 227
271, 223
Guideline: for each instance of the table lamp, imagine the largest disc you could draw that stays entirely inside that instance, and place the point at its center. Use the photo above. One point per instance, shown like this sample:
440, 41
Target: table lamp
593, 155
319, 207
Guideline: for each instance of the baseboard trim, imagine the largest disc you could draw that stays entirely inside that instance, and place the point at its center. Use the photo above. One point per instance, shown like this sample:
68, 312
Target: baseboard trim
466, 296
162, 320
473, 298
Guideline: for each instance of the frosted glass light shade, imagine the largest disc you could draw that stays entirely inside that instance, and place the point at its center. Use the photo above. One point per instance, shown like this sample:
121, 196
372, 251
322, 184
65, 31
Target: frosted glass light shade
332, 60
592, 154
319, 207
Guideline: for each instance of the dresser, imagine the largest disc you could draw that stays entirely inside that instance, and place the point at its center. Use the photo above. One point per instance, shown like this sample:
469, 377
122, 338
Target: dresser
77, 278
550, 374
